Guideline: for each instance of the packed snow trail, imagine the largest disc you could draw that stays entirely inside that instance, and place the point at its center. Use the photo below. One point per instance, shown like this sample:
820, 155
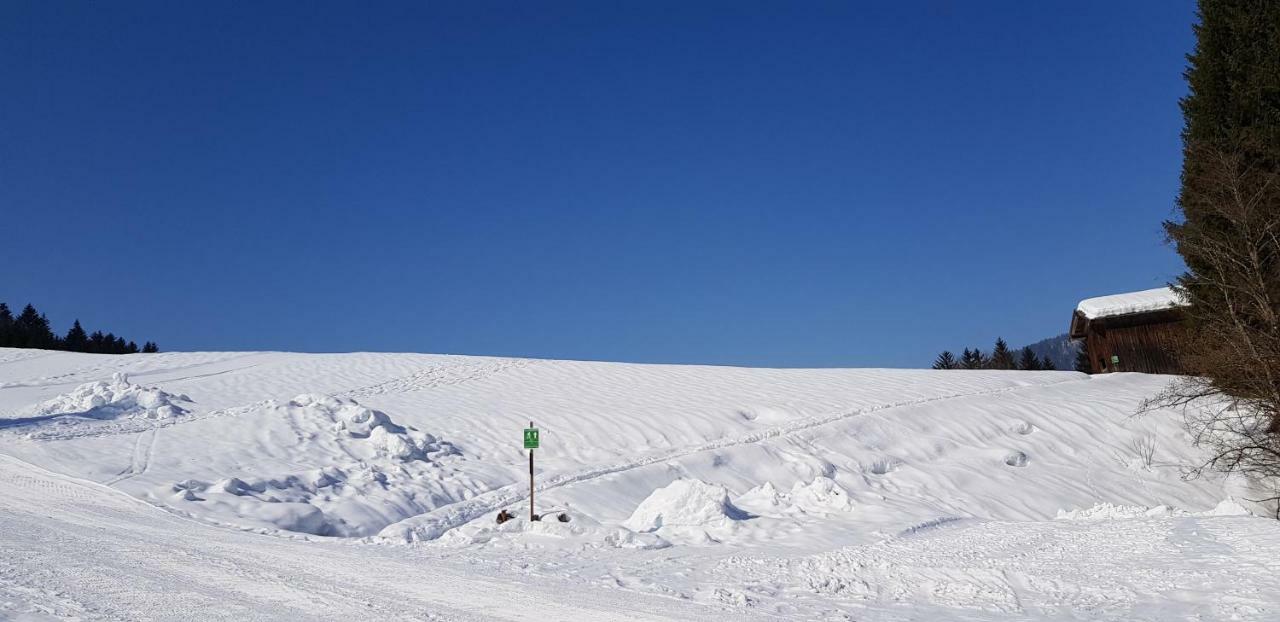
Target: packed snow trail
77, 549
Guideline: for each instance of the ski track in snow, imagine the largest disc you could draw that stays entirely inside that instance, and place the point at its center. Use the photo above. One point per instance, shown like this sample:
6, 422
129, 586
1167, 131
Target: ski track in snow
455, 515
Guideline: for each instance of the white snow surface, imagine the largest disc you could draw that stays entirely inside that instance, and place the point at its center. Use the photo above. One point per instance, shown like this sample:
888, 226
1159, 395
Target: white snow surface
365, 486
1144, 301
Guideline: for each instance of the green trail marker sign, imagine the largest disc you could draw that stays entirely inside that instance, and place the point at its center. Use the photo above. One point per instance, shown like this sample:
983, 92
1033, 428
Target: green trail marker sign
531, 443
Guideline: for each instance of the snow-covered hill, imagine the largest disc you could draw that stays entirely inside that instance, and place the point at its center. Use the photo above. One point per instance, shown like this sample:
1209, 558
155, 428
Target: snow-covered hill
876, 494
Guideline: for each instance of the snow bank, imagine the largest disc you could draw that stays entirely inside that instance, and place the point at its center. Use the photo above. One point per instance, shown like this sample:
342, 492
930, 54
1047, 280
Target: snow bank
373, 472
1133, 302
1109, 511
382, 438
684, 503
114, 399
822, 495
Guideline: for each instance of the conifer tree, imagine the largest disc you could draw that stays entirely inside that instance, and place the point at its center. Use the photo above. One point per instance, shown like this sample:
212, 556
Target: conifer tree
1084, 364
150, 347
1047, 364
33, 329
76, 340
1001, 357
1227, 236
1028, 360
132, 348
973, 359
946, 360
6, 325
97, 343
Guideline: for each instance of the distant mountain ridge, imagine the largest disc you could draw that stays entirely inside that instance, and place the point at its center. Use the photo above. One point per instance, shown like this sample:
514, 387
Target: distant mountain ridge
1060, 349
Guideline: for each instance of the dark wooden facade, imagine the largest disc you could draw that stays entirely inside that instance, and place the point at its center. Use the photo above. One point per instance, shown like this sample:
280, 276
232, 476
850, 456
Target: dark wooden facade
1141, 342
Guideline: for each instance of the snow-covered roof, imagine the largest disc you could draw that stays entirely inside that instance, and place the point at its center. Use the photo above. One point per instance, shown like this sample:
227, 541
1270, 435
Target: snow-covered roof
1133, 302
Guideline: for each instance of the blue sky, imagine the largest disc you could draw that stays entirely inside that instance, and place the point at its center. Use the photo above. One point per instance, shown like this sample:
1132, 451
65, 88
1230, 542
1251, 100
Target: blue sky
782, 184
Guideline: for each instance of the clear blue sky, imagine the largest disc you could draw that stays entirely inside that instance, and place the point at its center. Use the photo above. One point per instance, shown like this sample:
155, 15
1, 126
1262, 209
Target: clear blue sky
785, 184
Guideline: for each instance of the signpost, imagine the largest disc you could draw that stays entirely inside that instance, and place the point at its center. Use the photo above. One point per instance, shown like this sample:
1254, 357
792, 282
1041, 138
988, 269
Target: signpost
531, 443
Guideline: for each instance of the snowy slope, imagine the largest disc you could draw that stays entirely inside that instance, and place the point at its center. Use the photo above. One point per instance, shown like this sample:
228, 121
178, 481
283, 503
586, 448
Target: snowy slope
739, 492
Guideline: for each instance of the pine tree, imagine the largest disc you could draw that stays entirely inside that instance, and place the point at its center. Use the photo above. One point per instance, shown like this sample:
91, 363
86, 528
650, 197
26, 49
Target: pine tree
1047, 364
150, 347
132, 348
6, 325
1084, 364
1028, 360
946, 360
973, 359
33, 329
97, 343
1001, 357
76, 340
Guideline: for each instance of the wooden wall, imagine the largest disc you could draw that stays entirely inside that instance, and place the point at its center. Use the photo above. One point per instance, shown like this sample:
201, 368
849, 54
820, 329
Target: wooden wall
1144, 344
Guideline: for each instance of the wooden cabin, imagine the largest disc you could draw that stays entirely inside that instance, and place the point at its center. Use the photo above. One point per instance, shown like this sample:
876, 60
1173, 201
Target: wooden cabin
1138, 331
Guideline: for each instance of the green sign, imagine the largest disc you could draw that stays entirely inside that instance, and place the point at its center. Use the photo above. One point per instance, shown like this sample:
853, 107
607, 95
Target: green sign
1115, 360
531, 438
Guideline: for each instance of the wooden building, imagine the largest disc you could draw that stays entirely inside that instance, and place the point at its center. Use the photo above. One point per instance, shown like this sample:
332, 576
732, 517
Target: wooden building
1138, 331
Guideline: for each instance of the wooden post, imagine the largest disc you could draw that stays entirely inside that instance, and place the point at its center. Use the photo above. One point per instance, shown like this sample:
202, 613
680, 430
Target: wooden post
531, 514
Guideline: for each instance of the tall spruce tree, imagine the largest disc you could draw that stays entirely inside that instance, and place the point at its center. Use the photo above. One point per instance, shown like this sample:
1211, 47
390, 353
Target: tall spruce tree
1027, 360
6, 325
946, 360
1047, 363
973, 359
1001, 356
1229, 206
76, 340
150, 347
33, 329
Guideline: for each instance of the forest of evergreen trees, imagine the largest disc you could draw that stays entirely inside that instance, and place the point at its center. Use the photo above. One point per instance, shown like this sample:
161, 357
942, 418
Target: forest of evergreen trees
30, 329
1001, 357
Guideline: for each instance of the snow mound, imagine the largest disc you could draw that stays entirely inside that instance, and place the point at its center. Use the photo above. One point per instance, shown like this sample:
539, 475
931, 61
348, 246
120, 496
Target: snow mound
1228, 507
684, 503
367, 472
1108, 511
114, 399
384, 439
580, 532
821, 496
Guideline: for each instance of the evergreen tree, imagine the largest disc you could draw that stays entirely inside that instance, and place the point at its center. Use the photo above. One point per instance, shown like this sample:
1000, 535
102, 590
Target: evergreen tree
33, 330
76, 340
97, 343
132, 348
1230, 215
1047, 364
6, 325
150, 347
1028, 360
1001, 357
946, 360
973, 359
1084, 364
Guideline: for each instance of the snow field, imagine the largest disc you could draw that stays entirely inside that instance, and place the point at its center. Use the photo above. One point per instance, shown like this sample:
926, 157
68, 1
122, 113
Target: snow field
871, 494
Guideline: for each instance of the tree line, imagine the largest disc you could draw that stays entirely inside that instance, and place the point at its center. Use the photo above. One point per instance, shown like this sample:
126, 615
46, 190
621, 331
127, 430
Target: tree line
31, 329
1001, 357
